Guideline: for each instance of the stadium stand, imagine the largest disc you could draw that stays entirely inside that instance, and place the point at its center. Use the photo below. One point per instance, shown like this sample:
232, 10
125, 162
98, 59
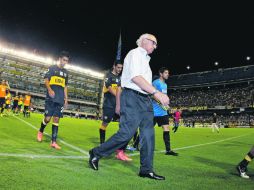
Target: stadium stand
25, 74
228, 92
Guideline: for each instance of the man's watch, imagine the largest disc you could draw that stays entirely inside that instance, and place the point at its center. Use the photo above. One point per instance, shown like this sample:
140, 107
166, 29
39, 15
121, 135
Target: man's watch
155, 91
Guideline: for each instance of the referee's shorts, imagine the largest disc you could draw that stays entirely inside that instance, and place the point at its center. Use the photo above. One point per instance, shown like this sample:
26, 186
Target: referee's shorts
161, 120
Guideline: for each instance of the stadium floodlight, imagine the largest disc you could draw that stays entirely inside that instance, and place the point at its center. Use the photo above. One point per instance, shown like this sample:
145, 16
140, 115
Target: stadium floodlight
86, 71
46, 60
248, 58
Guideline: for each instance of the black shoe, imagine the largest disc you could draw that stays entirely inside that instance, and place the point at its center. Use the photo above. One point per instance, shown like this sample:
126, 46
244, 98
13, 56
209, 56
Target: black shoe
152, 175
93, 161
171, 153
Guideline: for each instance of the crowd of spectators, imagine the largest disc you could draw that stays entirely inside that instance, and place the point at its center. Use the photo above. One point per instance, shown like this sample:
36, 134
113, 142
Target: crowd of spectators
223, 120
210, 97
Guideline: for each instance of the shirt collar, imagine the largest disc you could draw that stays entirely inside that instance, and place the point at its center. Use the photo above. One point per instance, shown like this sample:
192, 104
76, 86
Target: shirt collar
142, 50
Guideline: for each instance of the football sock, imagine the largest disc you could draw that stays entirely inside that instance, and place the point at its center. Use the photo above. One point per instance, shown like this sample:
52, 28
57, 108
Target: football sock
43, 125
54, 131
166, 138
102, 132
247, 159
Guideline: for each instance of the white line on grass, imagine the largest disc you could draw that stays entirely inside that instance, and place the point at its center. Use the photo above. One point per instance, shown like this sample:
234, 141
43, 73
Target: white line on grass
34, 156
85, 152
197, 145
63, 142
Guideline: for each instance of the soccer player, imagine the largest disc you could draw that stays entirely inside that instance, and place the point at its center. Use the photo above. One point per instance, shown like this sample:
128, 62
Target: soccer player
15, 104
242, 166
56, 80
214, 124
27, 102
176, 118
8, 102
161, 116
4, 86
20, 103
111, 82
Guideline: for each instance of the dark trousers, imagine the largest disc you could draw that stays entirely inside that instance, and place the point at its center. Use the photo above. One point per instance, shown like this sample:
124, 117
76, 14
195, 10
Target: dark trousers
136, 111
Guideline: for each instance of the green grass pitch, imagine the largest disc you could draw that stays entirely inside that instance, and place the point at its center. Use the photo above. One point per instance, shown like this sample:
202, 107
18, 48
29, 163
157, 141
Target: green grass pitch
206, 160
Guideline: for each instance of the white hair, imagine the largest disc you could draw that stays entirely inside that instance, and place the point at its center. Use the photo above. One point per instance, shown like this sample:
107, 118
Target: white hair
141, 38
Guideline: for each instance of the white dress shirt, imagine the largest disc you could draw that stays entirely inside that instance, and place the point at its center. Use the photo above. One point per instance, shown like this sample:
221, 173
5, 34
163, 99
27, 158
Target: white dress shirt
136, 63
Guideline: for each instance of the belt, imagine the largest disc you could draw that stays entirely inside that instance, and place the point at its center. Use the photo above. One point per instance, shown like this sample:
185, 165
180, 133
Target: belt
137, 92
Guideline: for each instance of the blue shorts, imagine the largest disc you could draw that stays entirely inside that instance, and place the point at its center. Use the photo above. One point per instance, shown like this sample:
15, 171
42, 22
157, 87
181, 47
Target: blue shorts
2, 102
53, 109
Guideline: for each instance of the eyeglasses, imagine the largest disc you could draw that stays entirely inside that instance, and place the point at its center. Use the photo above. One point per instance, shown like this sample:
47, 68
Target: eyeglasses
154, 42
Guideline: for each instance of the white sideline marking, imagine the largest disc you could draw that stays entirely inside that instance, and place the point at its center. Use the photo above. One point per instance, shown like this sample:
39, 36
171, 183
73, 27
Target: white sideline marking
63, 142
84, 157
85, 152
34, 156
197, 145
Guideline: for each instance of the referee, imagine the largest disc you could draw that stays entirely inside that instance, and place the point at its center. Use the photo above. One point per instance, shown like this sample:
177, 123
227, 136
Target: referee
161, 116
136, 108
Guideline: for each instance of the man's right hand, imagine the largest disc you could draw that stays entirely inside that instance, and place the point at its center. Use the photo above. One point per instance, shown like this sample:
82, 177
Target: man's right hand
51, 93
163, 98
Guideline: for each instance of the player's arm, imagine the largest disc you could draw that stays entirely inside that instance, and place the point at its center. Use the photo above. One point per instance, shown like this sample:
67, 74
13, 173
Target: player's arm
108, 84
50, 91
47, 77
118, 95
112, 90
65, 96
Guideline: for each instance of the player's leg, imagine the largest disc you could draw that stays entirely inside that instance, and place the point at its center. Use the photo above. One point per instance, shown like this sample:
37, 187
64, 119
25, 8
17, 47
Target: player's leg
2, 103
213, 127
164, 122
217, 128
173, 128
176, 126
55, 125
120, 153
9, 109
24, 111
57, 114
106, 119
44, 123
49, 110
242, 166
13, 108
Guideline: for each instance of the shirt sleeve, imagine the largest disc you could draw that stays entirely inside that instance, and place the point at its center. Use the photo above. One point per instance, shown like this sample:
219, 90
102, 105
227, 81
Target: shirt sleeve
156, 85
48, 73
67, 79
108, 80
135, 67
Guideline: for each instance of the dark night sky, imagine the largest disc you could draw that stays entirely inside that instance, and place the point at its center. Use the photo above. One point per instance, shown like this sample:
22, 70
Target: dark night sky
189, 33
